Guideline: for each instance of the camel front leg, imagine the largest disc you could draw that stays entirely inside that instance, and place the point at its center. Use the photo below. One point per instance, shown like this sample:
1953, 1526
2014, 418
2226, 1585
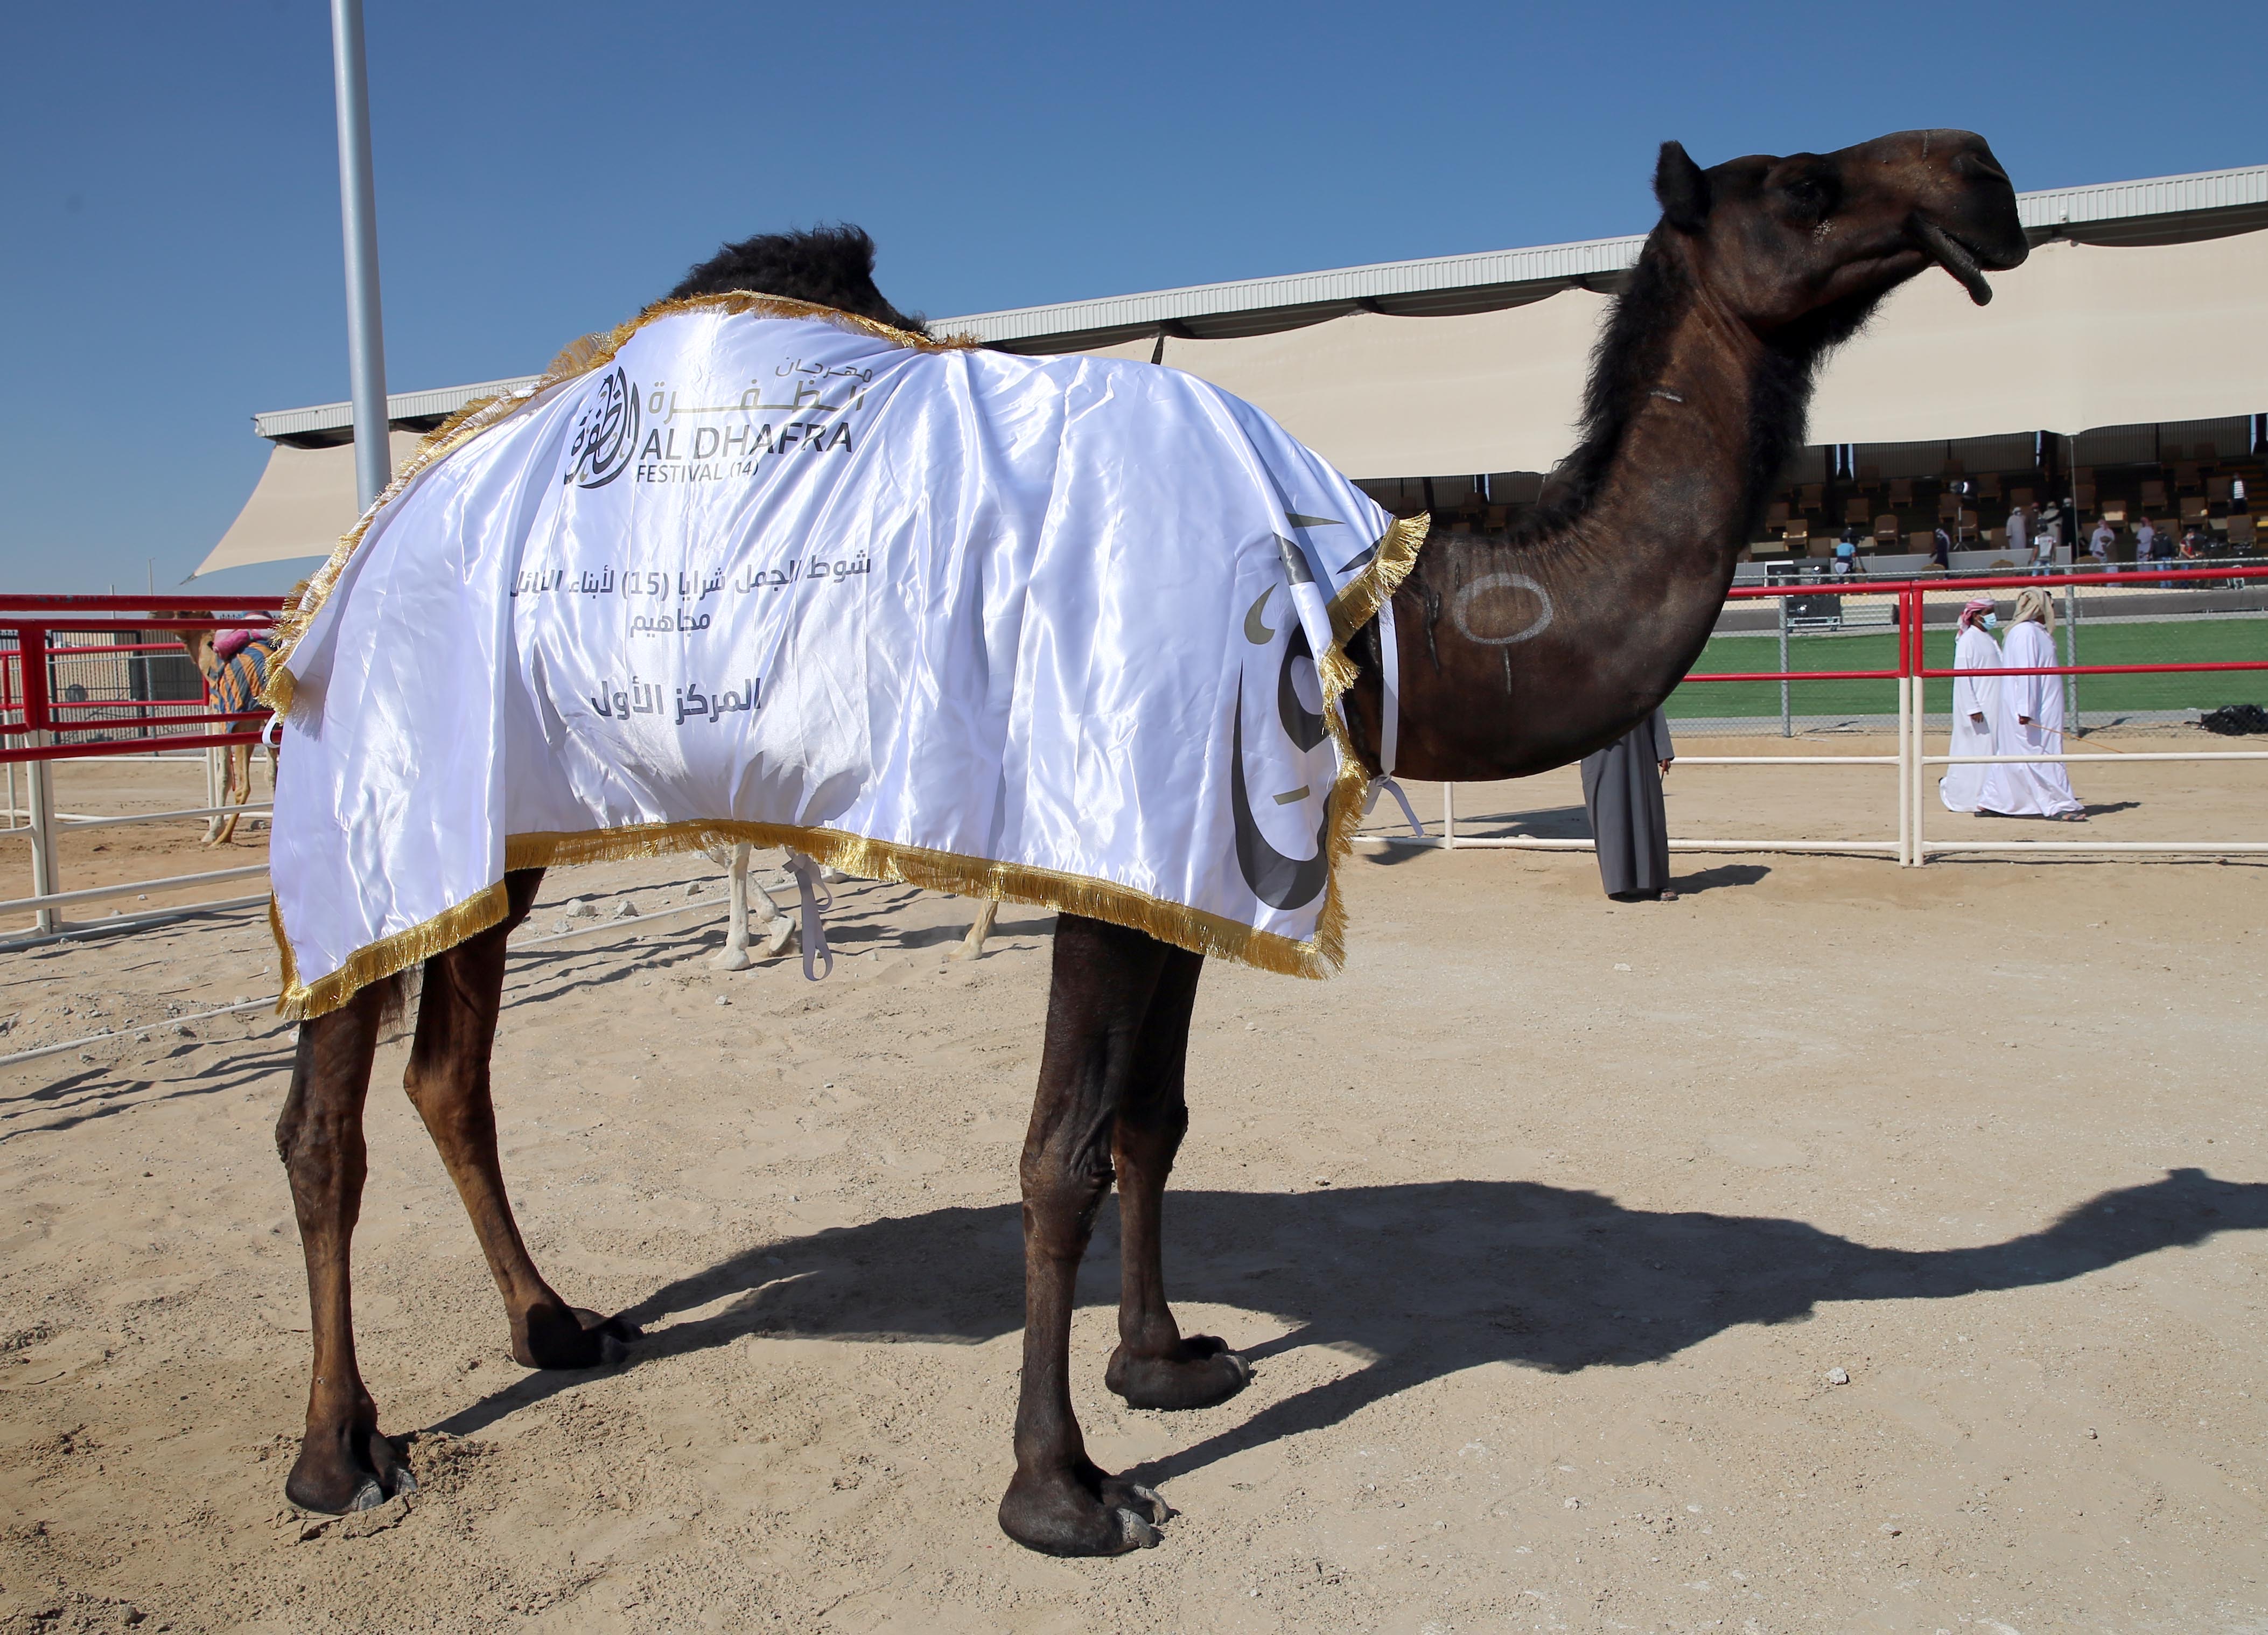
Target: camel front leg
1059, 1501
447, 1081
236, 762
734, 956
972, 946
1154, 1366
779, 925
344, 1464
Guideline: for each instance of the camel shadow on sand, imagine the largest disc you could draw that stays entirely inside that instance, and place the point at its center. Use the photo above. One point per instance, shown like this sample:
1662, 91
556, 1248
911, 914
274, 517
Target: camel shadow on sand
1482, 1271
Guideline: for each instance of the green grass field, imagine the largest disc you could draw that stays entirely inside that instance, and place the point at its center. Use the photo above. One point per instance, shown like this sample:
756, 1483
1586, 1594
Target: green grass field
2171, 641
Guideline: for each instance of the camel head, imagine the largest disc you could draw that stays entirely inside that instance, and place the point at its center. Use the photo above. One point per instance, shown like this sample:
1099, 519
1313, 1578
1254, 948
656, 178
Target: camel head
200, 643
1801, 248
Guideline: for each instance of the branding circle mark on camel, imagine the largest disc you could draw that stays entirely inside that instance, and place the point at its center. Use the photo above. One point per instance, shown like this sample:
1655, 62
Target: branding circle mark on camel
1060, 630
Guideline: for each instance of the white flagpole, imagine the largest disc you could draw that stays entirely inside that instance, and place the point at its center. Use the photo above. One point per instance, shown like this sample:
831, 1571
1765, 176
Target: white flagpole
358, 217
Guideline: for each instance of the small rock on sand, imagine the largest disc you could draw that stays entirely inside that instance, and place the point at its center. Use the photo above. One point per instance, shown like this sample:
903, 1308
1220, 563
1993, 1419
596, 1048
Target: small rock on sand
1838, 1376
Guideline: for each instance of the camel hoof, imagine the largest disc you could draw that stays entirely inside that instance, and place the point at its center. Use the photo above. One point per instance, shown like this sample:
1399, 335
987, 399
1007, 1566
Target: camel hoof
1082, 1513
1141, 1504
781, 938
732, 960
1203, 1373
368, 1495
570, 1337
966, 950
394, 1474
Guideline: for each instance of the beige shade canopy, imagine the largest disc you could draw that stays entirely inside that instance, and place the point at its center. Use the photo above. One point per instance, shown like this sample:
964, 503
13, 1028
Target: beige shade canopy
1379, 396
304, 500
2079, 336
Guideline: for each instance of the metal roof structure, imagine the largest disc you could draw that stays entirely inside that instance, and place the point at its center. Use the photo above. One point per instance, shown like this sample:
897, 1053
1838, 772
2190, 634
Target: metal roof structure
2163, 210
2159, 210
328, 423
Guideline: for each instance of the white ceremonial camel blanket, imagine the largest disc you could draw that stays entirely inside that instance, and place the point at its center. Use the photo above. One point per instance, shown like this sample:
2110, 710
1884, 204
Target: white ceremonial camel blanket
1062, 631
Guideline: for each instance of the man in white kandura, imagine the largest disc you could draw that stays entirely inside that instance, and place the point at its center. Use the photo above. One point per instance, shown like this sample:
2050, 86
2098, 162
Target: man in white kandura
2028, 720
1974, 698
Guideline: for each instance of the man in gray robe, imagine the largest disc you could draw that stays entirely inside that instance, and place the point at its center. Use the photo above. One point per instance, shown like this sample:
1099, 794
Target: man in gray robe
1621, 791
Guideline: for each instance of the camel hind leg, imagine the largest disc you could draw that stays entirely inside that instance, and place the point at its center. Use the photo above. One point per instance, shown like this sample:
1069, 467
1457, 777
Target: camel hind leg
1154, 1366
1091, 1068
344, 1464
447, 1081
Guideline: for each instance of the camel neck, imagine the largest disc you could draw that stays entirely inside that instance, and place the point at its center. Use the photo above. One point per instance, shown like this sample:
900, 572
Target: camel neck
1523, 655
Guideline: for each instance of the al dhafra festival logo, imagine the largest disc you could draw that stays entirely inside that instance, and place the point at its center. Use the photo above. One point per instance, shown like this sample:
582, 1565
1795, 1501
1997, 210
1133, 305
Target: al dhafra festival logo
606, 432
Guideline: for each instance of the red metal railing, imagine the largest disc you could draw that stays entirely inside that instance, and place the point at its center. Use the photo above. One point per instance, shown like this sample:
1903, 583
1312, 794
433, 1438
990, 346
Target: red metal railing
1909, 617
29, 709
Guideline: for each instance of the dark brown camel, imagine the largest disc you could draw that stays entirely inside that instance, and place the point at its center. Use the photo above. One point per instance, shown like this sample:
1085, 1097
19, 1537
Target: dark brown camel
1514, 658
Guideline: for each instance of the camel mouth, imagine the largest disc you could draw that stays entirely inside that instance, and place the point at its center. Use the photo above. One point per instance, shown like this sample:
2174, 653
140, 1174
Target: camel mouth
1955, 257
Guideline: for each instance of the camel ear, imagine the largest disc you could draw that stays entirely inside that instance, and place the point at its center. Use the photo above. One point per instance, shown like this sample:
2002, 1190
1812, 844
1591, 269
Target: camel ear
1681, 188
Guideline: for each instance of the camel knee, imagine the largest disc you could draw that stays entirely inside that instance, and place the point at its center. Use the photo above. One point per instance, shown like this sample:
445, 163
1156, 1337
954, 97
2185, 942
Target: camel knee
323, 1155
448, 1098
1062, 1193
1144, 1145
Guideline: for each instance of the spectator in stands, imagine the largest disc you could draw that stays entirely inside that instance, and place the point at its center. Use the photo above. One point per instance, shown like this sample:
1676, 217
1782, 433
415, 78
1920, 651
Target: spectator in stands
2100, 542
1622, 792
2020, 529
1975, 699
1846, 555
1941, 548
2028, 720
2145, 540
2191, 548
2047, 537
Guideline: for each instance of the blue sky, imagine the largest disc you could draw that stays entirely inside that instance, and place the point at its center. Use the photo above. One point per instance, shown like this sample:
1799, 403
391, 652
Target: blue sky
171, 261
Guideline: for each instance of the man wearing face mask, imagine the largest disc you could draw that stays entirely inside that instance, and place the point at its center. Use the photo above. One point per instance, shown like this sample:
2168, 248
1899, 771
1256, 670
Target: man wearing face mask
1973, 699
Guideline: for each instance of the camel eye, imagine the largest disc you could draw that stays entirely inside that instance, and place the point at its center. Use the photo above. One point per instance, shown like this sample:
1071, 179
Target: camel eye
1809, 197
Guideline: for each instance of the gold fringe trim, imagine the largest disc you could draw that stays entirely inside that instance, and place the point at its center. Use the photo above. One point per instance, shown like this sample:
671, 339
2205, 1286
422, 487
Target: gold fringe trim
1184, 927
382, 959
577, 358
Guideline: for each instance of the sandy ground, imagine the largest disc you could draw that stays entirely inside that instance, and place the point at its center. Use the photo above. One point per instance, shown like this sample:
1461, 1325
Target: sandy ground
1547, 1226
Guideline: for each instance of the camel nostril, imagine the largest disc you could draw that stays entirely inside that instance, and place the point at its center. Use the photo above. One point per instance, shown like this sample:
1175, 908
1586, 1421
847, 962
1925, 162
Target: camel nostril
1978, 167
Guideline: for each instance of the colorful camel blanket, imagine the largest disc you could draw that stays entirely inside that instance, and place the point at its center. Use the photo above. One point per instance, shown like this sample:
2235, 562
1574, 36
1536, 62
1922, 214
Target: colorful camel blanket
236, 685
1060, 630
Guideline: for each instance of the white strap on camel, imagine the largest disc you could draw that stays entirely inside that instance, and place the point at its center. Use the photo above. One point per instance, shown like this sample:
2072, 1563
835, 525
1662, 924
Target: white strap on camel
1058, 630
1389, 721
812, 900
